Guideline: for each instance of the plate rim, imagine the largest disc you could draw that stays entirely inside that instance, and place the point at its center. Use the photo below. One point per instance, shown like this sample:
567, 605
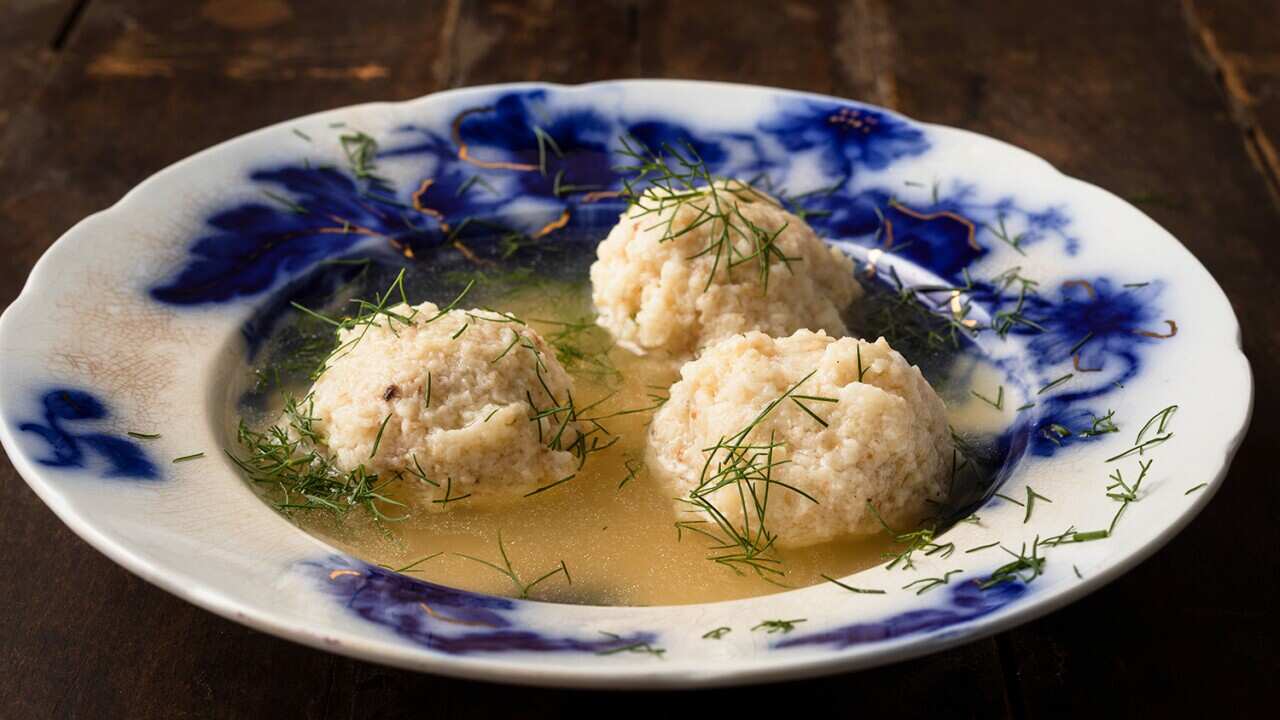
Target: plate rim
496, 668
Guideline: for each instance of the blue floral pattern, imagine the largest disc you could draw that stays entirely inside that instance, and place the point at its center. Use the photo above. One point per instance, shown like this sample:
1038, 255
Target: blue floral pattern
451, 621
67, 448
967, 601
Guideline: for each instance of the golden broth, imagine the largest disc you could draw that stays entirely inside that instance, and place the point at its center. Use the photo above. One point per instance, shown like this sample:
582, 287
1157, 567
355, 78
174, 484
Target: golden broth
618, 541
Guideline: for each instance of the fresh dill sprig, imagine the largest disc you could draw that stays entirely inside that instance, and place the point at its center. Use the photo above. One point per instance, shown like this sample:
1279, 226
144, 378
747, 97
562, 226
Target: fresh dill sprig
924, 585
362, 152
581, 346
664, 183
285, 459
998, 403
1159, 421
778, 626
507, 570
744, 466
449, 497
1055, 383
1002, 234
852, 589
291, 205
1032, 496
545, 488
410, 568
1102, 425
1024, 567
921, 541
377, 440
1123, 493
635, 647
634, 466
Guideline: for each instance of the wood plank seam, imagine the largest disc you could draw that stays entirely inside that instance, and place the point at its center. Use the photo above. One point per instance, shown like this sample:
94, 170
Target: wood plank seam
1227, 75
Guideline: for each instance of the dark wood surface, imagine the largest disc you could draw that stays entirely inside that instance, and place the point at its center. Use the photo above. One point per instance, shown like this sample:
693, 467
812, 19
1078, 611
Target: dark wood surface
1174, 106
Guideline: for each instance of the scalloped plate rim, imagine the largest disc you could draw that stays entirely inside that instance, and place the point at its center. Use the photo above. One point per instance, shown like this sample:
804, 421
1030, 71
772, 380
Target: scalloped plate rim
497, 668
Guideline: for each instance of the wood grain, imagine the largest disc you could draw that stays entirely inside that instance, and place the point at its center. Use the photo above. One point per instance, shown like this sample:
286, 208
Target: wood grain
1113, 93
1131, 96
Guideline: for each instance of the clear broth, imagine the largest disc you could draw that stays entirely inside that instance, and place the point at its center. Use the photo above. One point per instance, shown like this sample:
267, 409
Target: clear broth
617, 540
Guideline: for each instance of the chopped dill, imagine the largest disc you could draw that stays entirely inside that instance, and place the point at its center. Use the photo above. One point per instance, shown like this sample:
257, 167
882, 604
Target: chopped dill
672, 179
981, 547
1032, 496
291, 205
377, 440
852, 589
1102, 425
998, 403
545, 488
1123, 493
1201, 486
1002, 496
411, 566
361, 151
449, 497
510, 573
1028, 406
635, 647
1024, 567
1080, 343
460, 330
778, 626
1002, 235
515, 338
717, 633
924, 585
921, 541
185, 458
581, 346
301, 134
143, 436
284, 458
1055, 383
1077, 572
745, 467
634, 467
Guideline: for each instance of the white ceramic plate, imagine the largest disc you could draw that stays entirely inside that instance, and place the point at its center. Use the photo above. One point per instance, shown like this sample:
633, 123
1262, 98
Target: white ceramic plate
142, 316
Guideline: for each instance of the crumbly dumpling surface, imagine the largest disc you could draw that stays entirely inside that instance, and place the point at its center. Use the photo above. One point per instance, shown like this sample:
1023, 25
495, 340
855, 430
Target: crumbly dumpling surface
473, 427
650, 280
886, 439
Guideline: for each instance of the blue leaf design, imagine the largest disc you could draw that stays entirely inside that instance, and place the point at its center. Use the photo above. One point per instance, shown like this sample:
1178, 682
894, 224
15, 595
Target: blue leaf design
63, 406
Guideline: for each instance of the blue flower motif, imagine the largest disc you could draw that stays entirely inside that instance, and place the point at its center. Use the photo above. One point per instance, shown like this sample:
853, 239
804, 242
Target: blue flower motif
1095, 324
549, 148
65, 406
847, 137
936, 236
442, 618
966, 602
255, 244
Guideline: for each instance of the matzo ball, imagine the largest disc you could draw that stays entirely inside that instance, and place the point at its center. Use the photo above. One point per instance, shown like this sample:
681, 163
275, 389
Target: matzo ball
886, 440
662, 282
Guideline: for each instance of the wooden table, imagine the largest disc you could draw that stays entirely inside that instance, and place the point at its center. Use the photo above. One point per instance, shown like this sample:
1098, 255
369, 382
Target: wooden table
1175, 107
